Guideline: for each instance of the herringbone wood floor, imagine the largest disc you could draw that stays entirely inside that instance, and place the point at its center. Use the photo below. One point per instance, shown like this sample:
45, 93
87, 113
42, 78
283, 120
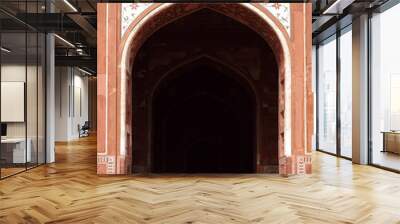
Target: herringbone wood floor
71, 192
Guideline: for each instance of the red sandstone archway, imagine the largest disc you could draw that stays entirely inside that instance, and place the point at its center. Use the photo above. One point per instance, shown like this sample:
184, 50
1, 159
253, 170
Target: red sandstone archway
293, 150
261, 21
211, 39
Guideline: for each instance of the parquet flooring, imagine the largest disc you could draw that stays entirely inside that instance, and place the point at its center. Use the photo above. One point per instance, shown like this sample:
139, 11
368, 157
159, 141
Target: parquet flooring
69, 191
5, 172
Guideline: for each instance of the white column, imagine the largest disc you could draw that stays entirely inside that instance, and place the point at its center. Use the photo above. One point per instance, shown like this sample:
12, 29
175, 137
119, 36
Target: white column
360, 90
50, 99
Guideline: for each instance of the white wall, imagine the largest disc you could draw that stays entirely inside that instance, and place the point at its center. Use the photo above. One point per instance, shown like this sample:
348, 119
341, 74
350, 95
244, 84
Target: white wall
16, 73
62, 82
9, 73
33, 126
71, 102
80, 112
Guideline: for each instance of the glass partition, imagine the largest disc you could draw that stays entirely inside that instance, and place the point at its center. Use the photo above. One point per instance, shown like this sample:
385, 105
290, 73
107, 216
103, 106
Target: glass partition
14, 155
41, 97
22, 78
31, 99
327, 96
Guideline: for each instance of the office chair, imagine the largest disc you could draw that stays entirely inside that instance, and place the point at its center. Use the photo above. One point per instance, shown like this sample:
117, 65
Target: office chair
84, 130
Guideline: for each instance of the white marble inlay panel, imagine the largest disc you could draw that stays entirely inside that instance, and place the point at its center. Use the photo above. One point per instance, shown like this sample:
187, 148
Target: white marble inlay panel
281, 11
130, 11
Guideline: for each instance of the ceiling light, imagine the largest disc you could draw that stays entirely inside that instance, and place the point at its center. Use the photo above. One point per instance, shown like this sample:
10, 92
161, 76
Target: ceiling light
84, 71
70, 5
337, 7
65, 41
5, 50
331, 7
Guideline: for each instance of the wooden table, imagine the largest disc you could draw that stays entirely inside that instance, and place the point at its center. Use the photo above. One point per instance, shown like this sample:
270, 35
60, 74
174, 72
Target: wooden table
391, 141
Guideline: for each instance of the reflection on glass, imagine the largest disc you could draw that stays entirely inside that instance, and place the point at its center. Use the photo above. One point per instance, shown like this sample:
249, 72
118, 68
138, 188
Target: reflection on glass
327, 96
41, 98
22, 89
14, 153
31, 100
385, 84
346, 94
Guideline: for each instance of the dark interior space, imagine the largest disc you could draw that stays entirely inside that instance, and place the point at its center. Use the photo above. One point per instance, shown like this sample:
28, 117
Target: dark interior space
201, 117
203, 122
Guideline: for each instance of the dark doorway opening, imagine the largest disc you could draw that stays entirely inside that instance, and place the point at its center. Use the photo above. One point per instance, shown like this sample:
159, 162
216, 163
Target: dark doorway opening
203, 122
184, 75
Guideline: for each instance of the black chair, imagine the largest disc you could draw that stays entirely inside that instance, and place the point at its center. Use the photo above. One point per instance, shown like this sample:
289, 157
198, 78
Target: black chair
84, 130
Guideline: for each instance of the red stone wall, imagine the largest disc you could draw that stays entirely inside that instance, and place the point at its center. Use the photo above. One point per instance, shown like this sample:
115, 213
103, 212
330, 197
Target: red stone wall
114, 76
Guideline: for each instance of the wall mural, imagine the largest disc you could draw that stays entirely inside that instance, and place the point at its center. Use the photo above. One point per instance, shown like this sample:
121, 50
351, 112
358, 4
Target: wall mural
130, 11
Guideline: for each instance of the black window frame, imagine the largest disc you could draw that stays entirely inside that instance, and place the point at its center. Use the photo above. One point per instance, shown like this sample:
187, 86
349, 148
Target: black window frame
333, 37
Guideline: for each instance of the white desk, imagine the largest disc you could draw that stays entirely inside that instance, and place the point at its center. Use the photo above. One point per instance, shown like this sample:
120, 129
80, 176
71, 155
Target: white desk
17, 146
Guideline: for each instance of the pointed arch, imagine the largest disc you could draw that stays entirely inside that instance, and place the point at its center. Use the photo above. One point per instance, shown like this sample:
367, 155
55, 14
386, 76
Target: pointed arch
252, 15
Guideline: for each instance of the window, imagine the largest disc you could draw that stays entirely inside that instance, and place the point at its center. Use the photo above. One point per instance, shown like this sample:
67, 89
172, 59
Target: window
335, 74
327, 96
385, 89
346, 93
314, 88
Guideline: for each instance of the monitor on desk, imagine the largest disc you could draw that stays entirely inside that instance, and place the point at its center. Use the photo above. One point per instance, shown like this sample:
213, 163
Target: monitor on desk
3, 130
